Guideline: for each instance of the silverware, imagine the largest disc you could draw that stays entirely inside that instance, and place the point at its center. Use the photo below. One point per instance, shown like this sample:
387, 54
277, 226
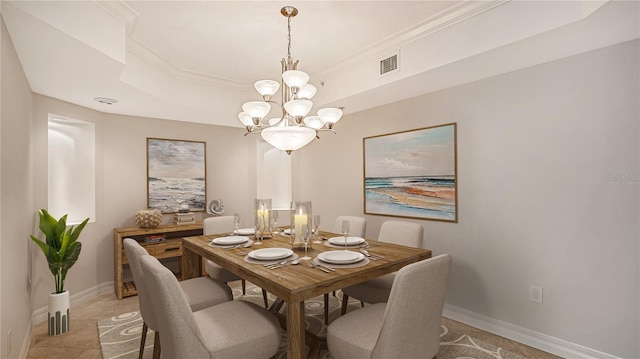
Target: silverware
232, 247
316, 266
373, 257
326, 267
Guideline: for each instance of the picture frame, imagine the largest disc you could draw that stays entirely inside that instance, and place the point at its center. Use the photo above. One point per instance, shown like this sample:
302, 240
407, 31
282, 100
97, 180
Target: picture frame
176, 175
412, 174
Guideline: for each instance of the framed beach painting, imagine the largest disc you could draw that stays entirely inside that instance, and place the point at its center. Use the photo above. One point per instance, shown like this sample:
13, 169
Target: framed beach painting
176, 175
412, 174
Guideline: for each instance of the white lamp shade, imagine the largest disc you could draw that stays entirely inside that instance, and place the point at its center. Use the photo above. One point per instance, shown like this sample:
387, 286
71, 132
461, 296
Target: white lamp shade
245, 119
274, 121
267, 87
257, 109
298, 108
314, 122
288, 138
295, 78
330, 115
307, 92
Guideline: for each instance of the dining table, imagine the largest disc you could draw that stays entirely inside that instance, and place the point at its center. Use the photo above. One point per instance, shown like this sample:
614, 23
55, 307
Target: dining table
295, 283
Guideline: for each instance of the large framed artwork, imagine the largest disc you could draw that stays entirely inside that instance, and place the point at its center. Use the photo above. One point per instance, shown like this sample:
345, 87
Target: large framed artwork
412, 174
176, 175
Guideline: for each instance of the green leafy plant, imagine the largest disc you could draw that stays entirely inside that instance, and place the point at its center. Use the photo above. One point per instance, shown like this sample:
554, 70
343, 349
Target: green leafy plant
61, 248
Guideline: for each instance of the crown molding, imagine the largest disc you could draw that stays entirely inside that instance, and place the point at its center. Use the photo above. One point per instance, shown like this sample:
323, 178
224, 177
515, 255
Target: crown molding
433, 24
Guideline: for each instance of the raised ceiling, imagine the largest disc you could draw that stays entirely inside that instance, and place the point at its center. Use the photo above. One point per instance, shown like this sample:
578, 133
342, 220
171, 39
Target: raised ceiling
197, 60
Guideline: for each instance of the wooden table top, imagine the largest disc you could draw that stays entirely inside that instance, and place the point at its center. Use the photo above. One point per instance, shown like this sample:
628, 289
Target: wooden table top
300, 282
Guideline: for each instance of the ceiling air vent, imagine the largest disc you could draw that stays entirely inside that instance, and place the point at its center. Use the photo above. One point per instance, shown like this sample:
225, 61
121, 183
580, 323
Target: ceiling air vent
389, 64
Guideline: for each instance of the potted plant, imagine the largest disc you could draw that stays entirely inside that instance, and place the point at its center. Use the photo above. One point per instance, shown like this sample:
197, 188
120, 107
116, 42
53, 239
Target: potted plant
61, 250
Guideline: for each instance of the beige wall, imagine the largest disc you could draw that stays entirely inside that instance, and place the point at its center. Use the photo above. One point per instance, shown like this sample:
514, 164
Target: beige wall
537, 150
16, 206
121, 181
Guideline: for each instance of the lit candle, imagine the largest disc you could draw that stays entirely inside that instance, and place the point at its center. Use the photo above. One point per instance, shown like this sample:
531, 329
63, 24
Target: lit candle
300, 221
261, 214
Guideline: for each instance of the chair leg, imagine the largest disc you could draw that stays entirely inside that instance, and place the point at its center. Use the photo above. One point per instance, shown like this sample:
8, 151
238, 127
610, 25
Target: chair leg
345, 302
362, 303
156, 346
244, 287
266, 301
143, 339
326, 308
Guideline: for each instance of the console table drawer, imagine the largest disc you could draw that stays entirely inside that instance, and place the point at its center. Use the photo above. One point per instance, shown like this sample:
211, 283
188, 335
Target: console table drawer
167, 250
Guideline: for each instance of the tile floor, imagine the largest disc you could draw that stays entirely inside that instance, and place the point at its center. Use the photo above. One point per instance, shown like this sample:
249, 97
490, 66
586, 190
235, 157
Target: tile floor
82, 340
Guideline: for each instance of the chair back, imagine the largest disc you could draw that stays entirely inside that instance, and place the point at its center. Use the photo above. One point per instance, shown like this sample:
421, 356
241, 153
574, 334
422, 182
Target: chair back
357, 225
134, 251
411, 324
179, 333
402, 232
220, 224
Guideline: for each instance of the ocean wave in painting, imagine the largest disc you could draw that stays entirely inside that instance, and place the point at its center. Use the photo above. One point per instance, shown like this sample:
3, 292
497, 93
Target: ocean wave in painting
168, 193
412, 196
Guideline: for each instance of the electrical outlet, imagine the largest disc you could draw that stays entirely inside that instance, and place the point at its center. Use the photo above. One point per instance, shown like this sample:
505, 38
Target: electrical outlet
9, 340
535, 294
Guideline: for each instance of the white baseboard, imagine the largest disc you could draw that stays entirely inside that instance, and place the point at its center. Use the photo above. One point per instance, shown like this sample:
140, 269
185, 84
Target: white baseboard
26, 341
526, 336
40, 315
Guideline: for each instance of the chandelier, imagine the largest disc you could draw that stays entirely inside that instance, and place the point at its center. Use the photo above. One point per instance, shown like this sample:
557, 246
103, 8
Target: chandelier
293, 129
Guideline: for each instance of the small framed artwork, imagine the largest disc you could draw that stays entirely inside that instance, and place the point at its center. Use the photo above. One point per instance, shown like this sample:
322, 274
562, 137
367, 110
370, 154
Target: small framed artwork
412, 174
176, 175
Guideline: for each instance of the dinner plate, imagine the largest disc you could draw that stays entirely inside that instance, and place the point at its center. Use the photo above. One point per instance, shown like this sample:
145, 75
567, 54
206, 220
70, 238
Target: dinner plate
245, 231
230, 240
341, 257
351, 241
266, 254
288, 231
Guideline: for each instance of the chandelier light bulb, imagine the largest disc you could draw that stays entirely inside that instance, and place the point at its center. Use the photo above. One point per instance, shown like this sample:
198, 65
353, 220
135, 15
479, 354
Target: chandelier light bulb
288, 138
295, 79
267, 88
314, 122
307, 92
298, 108
245, 119
330, 115
256, 109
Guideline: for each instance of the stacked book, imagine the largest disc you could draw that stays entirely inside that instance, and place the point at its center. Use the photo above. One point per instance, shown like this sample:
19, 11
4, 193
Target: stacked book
184, 218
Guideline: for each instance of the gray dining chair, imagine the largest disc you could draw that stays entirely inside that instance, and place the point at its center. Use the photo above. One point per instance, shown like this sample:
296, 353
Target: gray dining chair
357, 225
234, 329
199, 292
407, 326
224, 224
377, 290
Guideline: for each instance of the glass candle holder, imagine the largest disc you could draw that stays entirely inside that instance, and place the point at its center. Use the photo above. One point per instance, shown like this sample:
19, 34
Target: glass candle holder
301, 223
262, 210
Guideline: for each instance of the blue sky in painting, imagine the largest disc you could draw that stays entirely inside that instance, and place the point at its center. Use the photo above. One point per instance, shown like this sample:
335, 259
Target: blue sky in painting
179, 159
416, 153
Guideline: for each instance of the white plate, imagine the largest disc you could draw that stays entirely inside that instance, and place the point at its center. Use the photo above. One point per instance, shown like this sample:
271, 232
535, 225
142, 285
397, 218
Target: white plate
351, 241
266, 254
245, 231
230, 240
288, 231
340, 257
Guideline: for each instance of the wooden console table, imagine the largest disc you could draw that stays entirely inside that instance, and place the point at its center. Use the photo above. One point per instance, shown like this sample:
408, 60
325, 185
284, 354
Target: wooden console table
171, 247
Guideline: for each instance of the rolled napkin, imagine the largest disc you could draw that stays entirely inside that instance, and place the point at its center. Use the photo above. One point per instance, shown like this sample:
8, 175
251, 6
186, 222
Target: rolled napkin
148, 218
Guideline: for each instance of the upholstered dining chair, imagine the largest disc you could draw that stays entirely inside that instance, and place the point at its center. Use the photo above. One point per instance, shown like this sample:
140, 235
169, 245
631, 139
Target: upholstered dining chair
222, 224
234, 329
377, 290
407, 326
357, 225
199, 292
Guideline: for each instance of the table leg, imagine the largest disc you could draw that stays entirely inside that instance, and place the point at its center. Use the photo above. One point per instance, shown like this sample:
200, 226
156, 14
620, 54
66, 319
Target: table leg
191, 263
295, 330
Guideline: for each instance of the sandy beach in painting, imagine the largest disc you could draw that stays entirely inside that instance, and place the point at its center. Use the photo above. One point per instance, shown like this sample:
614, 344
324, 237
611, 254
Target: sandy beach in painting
421, 196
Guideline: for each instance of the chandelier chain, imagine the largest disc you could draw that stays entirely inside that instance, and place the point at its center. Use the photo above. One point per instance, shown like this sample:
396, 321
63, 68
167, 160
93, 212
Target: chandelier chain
289, 60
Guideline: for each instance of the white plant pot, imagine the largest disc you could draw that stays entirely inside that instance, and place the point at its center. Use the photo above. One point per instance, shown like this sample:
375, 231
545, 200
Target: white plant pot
58, 317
